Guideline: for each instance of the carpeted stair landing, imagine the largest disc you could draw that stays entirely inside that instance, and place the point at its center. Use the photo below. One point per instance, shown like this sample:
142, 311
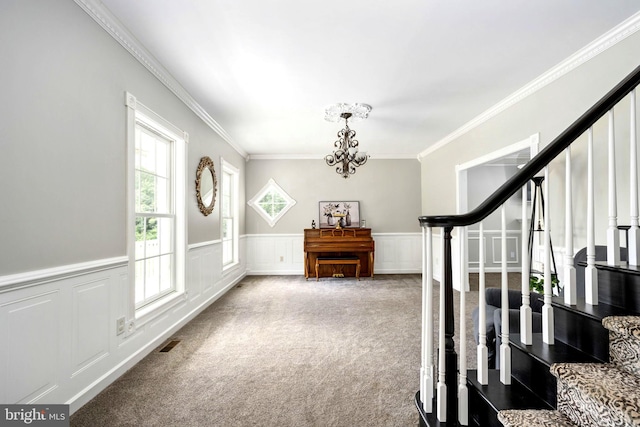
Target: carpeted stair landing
594, 394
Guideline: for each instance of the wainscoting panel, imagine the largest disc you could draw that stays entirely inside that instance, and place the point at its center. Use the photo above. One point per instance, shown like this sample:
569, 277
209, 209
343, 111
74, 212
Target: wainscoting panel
59, 329
208, 267
194, 276
204, 262
513, 250
30, 353
274, 254
493, 250
90, 308
216, 268
398, 253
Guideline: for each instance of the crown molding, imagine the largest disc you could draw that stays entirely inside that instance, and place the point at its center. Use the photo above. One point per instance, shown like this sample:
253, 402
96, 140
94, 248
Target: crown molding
599, 45
103, 16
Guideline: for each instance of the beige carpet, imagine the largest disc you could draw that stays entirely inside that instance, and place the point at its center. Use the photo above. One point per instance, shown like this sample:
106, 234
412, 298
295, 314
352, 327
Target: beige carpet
282, 351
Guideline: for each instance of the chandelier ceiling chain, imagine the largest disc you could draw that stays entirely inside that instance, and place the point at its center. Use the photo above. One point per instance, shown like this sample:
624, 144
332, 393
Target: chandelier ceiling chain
346, 155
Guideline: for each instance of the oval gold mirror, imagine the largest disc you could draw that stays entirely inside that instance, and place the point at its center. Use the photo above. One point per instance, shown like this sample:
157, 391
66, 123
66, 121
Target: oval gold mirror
206, 184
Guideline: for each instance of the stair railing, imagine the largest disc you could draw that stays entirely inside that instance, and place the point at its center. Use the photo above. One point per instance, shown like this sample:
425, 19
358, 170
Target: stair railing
451, 400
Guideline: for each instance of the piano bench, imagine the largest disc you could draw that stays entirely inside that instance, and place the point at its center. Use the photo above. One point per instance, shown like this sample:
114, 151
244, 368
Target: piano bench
343, 260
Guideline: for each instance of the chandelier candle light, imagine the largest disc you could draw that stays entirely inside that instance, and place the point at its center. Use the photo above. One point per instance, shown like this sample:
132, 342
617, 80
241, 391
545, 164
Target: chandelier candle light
346, 155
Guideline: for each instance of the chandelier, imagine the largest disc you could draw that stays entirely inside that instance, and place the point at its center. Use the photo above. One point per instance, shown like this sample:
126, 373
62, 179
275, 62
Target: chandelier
346, 155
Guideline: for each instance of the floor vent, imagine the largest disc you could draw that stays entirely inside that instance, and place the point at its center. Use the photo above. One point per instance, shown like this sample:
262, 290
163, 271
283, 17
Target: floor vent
169, 346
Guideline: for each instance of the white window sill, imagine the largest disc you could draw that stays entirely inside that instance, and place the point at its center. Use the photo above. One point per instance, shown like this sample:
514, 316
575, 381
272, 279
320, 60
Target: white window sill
227, 269
149, 312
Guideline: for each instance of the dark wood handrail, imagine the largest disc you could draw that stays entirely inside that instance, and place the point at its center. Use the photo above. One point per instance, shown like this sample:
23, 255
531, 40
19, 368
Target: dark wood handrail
543, 158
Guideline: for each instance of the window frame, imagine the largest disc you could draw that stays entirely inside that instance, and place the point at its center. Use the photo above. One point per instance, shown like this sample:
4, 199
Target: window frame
230, 172
270, 186
140, 115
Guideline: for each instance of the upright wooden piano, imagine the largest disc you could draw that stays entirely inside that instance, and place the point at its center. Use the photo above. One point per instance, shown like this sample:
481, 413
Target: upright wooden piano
331, 242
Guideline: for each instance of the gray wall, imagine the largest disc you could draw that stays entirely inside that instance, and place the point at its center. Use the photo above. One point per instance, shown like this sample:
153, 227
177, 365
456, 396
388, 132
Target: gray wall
62, 138
388, 192
548, 111
484, 180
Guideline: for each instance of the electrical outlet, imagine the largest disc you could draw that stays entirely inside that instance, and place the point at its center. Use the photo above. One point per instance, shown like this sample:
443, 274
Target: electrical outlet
131, 327
281, 259
120, 322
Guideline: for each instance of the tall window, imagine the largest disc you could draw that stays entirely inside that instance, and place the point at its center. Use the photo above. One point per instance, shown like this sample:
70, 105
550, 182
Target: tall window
229, 211
155, 216
158, 236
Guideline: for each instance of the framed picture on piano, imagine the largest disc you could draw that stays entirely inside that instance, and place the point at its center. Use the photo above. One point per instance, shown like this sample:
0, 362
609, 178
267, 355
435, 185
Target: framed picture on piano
339, 214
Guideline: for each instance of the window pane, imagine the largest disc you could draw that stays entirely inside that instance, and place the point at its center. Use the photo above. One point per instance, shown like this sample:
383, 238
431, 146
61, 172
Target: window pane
162, 158
227, 251
140, 235
266, 199
278, 207
163, 201
137, 190
226, 183
152, 278
152, 248
147, 152
147, 192
227, 228
165, 272
226, 205
165, 235
139, 281
267, 208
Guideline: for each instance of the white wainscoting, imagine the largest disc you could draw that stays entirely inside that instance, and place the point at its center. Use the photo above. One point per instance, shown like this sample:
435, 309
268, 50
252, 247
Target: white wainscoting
58, 326
493, 250
283, 254
398, 253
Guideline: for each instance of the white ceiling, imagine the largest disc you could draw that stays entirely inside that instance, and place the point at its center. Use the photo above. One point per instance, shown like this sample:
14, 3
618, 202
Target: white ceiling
265, 70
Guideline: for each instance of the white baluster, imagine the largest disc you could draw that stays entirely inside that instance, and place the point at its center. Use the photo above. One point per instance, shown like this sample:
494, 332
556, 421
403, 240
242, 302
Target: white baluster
463, 392
526, 321
590, 272
634, 231
547, 309
505, 349
426, 370
483, 355
569, 285
613, 235
441, 411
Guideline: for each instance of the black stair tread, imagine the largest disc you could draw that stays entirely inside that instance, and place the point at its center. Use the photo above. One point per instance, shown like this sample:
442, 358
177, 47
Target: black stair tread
550, 354
430, 419
622, 266
595, 312
500, 396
